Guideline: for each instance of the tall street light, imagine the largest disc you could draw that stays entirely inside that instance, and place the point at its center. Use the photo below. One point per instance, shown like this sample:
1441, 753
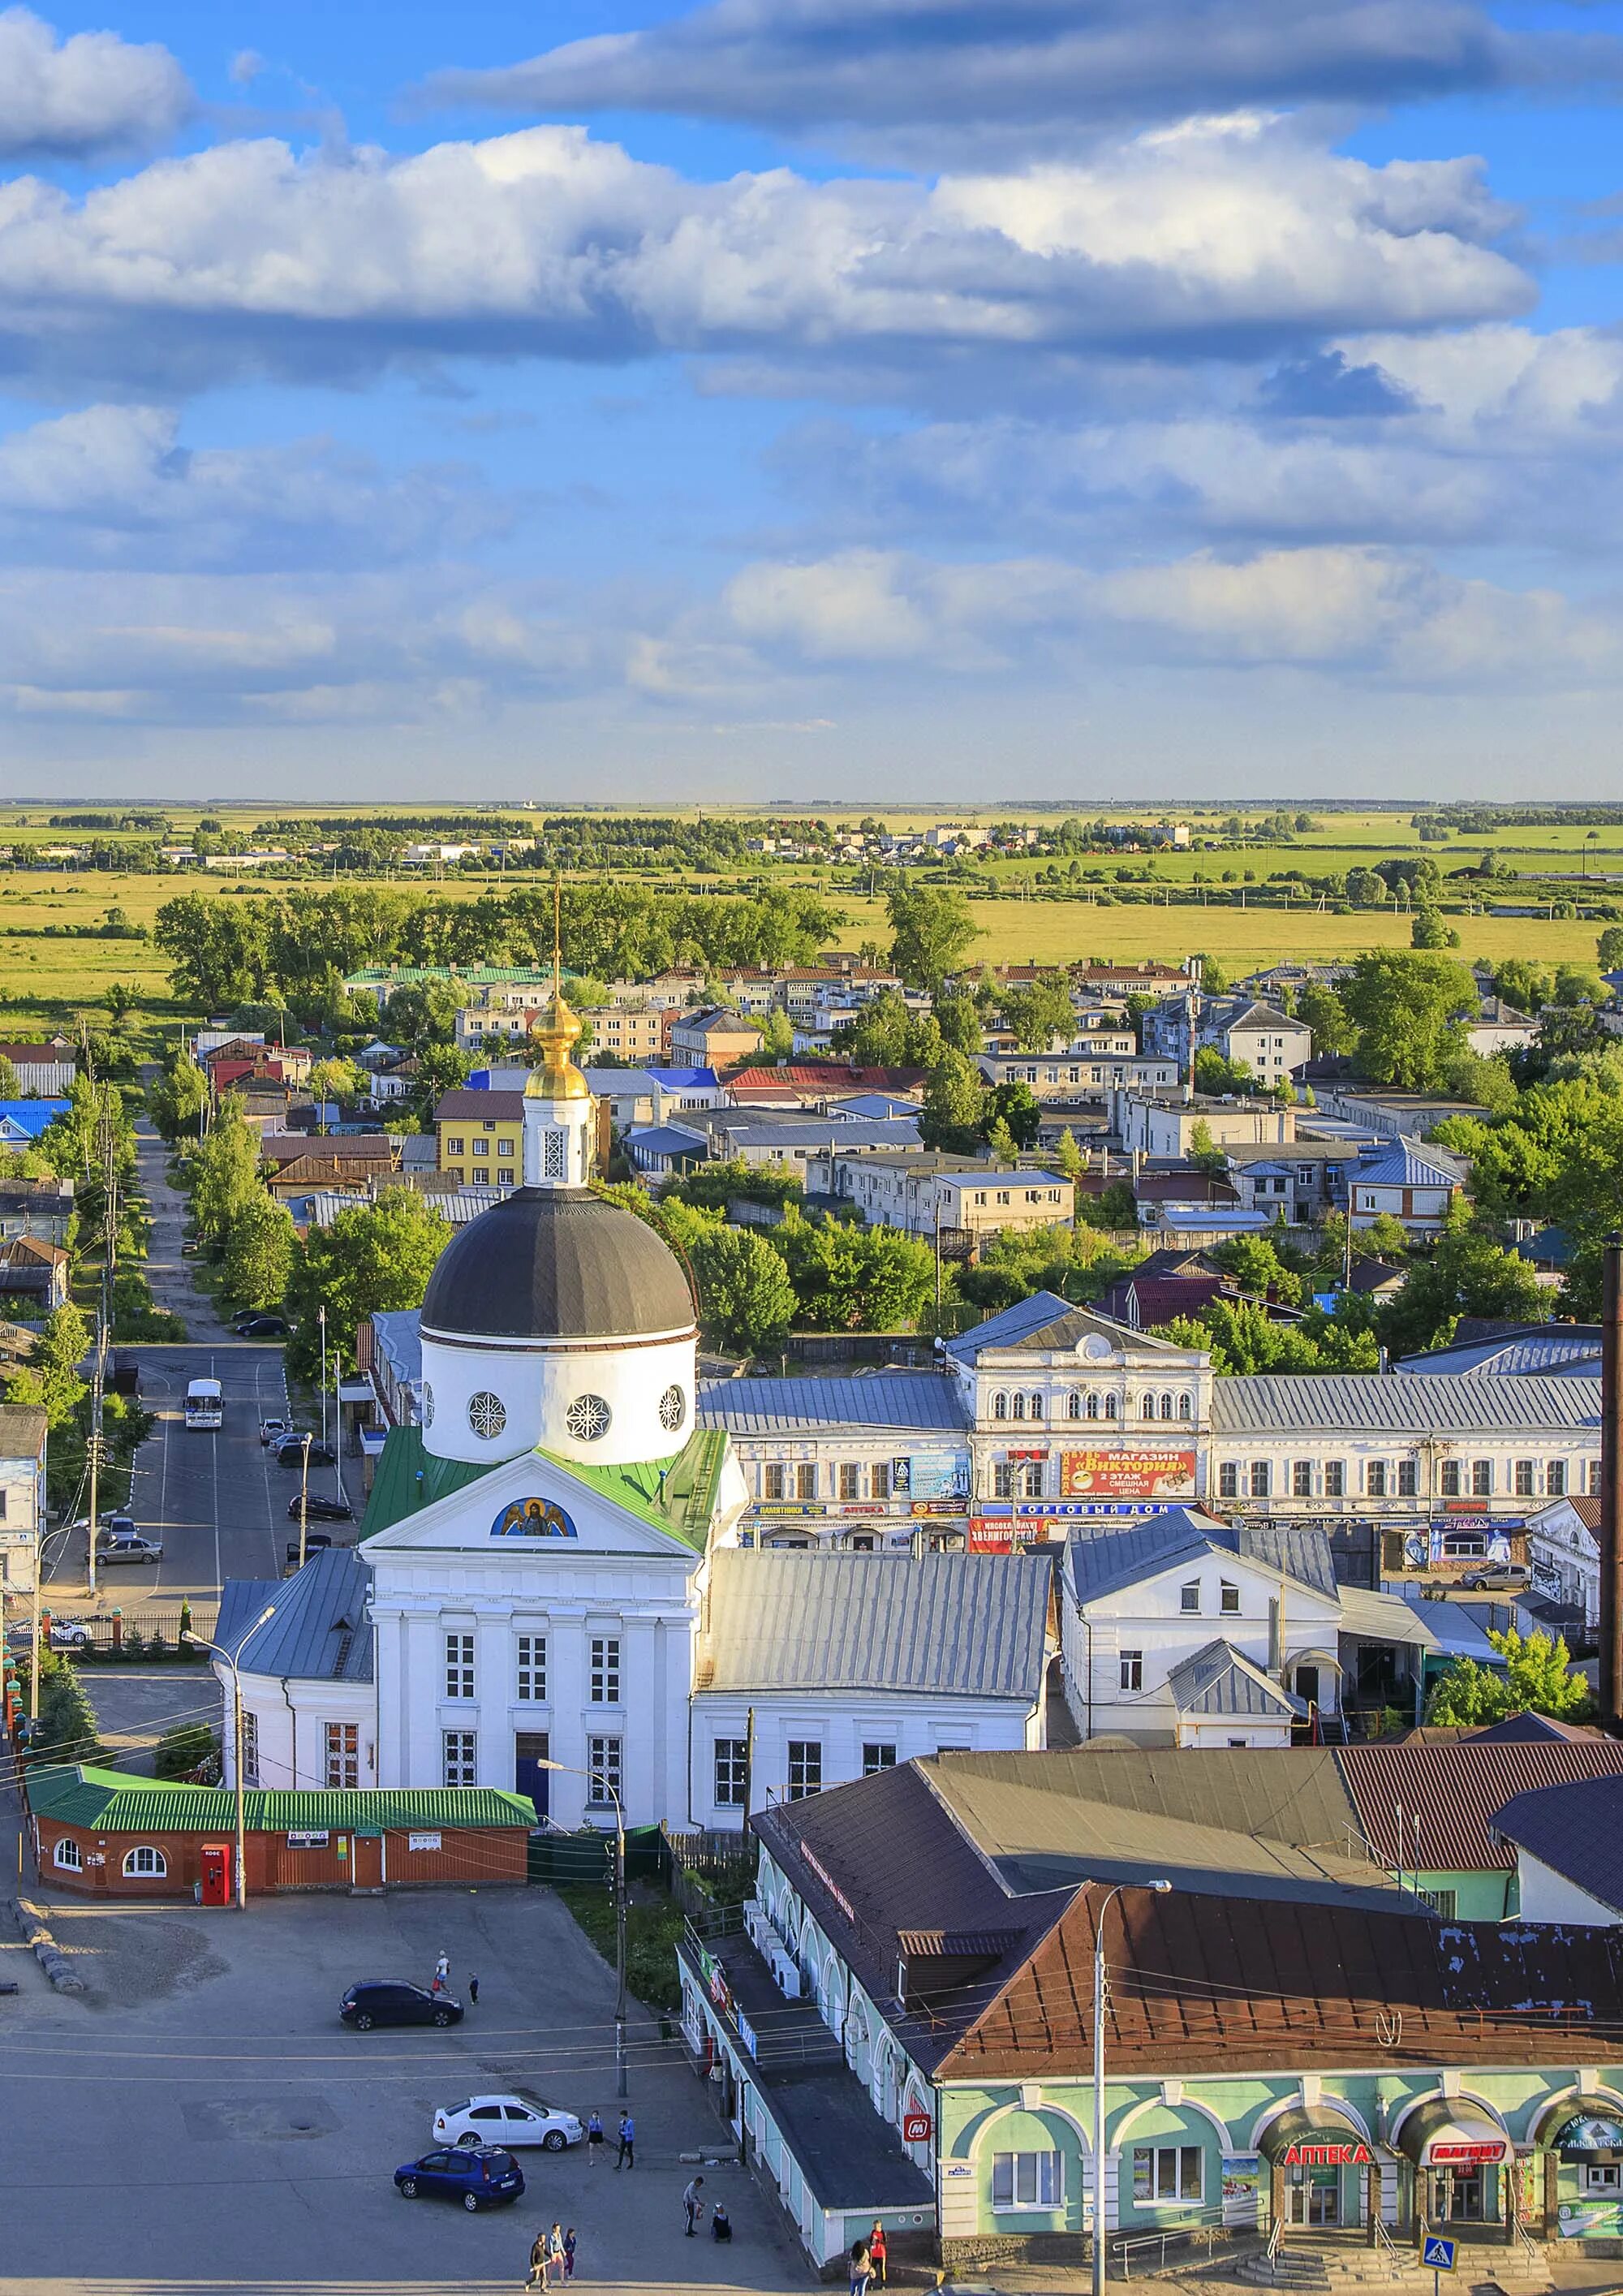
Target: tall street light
1101, 1994
240, 1878
612, 1791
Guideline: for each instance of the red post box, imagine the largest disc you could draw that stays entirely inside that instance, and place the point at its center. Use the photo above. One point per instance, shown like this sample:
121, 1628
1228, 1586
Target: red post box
217, 1872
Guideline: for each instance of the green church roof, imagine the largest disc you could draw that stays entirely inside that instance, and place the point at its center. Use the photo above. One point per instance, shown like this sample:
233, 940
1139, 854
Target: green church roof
116, 1803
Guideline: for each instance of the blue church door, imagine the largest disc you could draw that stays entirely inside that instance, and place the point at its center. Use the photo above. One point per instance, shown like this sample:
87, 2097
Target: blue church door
531, 1749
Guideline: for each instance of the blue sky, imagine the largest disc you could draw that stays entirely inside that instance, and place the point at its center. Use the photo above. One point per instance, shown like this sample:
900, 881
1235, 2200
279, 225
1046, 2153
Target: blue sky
869, 399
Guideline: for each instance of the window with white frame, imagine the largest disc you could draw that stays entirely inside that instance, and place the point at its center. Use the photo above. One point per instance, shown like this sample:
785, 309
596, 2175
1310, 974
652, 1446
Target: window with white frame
1019, 1407
1147, 1407
1555, 1479
1335, 1479
1111, 1410
1189, 1595
1521, 1478
1130, 1670
530, 1686
1302, 1479
1592, 1478
1031, 1480
1481, 1479
805, 1768
341, 1745
1374, 1479
459, 1666
1000, 1406
1228, 1480
605, 1690
250, 1748
1262, 1478
603, 1761
459, 1758
144, 1863
1408, 1478
66, 1855
1027, 2180
877, 1754
1603, 2176
1163, 2173
1003, 1480
1073, 1404
1228, 1596
732, 1773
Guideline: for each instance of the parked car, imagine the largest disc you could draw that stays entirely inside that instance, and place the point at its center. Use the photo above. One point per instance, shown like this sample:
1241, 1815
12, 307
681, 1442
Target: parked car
128, 1546
66, 1634
314, 1541
512, 2118
319, 1508
274, 1430
262, 1327
478, 2175
289, 1453
1508, 1576
389, 2001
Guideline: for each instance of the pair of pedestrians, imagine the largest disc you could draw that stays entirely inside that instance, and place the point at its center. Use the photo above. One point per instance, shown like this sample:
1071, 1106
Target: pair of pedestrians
552, 2258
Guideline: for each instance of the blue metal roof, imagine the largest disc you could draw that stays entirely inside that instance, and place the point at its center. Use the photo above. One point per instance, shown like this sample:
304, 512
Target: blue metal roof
1404, 1165
1222, 1680
32, 1116
1106, 1556
1012, 1324
399, 1334
320, 1631
701, 1079
906, 1400
665, 1140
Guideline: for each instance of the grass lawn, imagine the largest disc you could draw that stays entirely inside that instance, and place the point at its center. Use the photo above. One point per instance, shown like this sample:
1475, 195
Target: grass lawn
653, 1925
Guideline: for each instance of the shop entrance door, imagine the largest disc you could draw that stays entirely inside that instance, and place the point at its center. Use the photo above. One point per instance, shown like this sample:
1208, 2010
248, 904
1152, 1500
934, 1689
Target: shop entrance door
1457, 2196
1318, 2200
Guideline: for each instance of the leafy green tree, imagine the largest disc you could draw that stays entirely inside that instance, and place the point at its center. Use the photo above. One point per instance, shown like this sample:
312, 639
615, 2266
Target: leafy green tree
1069, 1162
959, 1022
1215, 1075
183, 1749
67, 1726
1214, 977
1609, 949
261, 1251
1466, 1275
1365, 889
954, 1106
1537, 1679
1481, 1077
1385, 1237
49, 1381
1014, 1105
881, 1033
1256, 1265
1319, 1007
377, 1257
176, 1097
1428, 931
747, 1301
1407, 1008
1001, 1142
933, 932
10, 1088
1039, 1011
777, 1036
225, 1172
1114, 1208
1204, 1153
440, 1069
851, 1278
1524, 984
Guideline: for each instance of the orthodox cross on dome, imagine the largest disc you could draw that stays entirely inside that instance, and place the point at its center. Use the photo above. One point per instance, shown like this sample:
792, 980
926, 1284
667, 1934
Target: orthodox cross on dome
558, 1107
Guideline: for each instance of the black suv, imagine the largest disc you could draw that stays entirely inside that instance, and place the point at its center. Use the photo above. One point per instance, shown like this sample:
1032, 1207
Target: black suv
387, 2001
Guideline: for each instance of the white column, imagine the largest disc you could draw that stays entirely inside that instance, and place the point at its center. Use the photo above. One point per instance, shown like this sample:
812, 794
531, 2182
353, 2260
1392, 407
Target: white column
567, 1683
641, 1694
493, 1680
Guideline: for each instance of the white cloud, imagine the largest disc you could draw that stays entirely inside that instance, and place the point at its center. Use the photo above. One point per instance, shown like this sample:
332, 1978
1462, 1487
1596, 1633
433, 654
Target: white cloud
1030, 68
244, 259
84, 96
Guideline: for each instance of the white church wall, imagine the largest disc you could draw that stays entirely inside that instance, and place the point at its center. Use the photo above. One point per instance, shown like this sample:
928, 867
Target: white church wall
536, 1384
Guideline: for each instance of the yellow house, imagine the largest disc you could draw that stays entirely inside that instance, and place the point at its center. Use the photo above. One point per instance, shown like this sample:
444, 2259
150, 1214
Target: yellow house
480, 1136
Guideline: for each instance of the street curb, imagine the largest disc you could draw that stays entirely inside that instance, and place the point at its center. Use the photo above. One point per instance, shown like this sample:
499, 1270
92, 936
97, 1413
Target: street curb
31, 1929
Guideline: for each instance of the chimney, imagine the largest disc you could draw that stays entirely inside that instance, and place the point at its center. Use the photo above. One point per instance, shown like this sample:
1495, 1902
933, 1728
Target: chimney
1611, 1487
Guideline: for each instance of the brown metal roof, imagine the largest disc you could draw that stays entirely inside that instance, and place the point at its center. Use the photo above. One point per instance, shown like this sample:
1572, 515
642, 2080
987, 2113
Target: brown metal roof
1454, 1791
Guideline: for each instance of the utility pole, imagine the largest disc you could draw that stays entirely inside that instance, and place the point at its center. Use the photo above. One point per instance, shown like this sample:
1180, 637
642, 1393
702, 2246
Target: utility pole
304, 1499
322, 1319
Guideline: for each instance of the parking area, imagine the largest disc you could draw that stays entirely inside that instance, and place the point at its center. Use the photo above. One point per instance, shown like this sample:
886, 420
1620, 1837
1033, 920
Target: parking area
134, 1706
200, 2121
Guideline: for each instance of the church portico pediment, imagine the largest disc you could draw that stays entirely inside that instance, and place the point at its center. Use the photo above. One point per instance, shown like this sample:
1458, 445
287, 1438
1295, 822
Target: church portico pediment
531, 1507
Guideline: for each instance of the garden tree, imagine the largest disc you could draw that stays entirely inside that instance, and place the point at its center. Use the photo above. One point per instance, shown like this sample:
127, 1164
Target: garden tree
176, 1097
218, 951
778, 1036
1428, 931
848, 1278
225, 1172
66, 1731
1001, 1142
1075, 1263
886, 1034
1015, 1105
335, 1079
959, 1022
1524, 984
184, 1748
121, 997
1069, 1162
420, 1014
1244, 1341
1204, 1153
1537, 1679
1578, 984
1568, 1032
1115, 1207
955, 1101
440, 1069
1323, 1011
1214, 977
1365, 889
714, 1186
75, 1144
379, 1256
1407, 1009
1609, 949
49, 1381
10, 1088
747, 1301
261, 1249
1256, 1267
931, 933
1385, 1237
1215, 1075
1466, 1275
1039, 1011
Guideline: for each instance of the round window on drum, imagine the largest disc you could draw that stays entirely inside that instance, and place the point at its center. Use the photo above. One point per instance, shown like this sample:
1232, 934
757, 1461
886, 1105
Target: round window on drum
673, 1409
487, 1414
587, 1418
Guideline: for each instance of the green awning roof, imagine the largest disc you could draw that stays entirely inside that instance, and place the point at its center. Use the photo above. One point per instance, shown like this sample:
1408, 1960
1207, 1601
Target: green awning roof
115, 1803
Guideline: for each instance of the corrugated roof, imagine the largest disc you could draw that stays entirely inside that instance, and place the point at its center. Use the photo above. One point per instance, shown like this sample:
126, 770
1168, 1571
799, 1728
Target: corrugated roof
1222, 1680
116, 1803
902, 1399
1101, 1557
969, 1626
399, 1334
1456, 1791
319, 1630
1561, 1350
1577, 1830
1046, 1322
408, 1477
22, 1432
1415, 1404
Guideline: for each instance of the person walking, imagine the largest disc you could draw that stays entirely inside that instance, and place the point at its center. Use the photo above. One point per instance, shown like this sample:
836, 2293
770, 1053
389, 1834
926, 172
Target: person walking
472, 1990
442, 1974
569, 2253
537, 2261
692, 2205
879, 2254
595, 2137
626, 2158
861, 2266
557, 2256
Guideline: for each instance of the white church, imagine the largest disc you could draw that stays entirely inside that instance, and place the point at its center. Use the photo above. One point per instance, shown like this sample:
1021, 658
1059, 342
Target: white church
549, 1595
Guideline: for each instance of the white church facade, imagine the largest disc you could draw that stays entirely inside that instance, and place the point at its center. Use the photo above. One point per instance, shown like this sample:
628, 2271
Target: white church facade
531, 1604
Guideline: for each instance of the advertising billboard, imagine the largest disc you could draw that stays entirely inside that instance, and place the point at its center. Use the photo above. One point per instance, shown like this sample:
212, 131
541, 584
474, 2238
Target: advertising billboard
1141, 1474
940, 1475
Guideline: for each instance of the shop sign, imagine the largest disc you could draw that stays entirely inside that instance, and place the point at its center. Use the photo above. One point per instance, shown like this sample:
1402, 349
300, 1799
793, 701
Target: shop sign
1465, 2156
936, 1475
1590, 2220
1241, 2188
1043, 1454
915, 2128
923, 1507
1327, 2153
423, 1842
1127, 1474
746, 2030
864, 1507
1000, 1537
308, 1840
791, 1506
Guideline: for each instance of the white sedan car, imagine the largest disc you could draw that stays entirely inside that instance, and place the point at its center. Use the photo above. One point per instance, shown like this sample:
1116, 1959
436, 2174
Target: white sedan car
510, 2119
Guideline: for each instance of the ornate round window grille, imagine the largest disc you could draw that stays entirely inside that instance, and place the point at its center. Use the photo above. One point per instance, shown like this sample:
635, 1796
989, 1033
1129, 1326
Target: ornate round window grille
673, 1409
487, 1414
428, 1404
587, 1418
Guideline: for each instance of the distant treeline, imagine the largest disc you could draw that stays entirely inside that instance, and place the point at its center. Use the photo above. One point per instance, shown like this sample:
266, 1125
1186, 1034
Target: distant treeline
1474, 820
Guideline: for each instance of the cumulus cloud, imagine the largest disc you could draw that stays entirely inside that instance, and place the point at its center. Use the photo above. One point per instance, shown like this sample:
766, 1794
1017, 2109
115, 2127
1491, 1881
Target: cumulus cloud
112, 486
246, 259
82, 97
1030, 68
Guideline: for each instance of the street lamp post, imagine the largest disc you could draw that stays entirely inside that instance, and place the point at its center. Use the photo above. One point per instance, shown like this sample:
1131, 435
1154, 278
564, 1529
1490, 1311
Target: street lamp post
321, 1320
1101, 1994
304, 1499
41, 1541
612, 1791
240, 1878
